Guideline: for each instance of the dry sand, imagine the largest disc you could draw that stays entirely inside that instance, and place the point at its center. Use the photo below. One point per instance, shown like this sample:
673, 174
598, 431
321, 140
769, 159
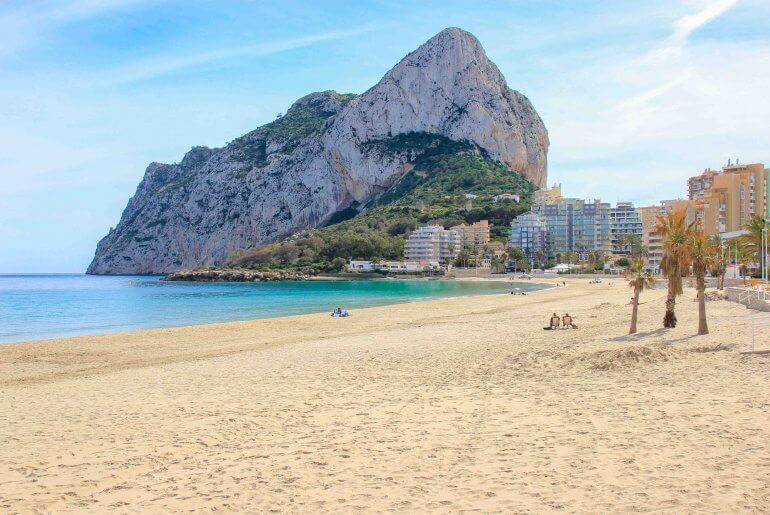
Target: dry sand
446, 405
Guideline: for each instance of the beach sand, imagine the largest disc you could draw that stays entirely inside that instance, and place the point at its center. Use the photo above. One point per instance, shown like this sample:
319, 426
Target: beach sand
445, 405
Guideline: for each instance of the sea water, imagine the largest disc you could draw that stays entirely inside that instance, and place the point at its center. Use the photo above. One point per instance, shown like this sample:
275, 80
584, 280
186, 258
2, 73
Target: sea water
36, 307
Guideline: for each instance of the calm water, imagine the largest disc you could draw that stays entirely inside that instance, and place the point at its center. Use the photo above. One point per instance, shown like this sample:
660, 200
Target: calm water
48, 306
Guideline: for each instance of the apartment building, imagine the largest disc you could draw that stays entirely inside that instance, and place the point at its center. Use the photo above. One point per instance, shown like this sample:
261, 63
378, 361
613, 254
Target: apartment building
652, 239
433, 243
529, 232
736, 194
700, 185
624, 221
473, 235
576, 225
547, 195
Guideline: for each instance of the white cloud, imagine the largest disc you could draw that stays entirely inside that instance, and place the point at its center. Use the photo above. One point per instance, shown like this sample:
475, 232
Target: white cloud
21, 27
710, 11
651, 120
163, 65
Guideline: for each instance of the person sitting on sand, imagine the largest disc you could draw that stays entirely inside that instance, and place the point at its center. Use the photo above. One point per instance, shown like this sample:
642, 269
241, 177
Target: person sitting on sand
555, 321
566, 322
337, 312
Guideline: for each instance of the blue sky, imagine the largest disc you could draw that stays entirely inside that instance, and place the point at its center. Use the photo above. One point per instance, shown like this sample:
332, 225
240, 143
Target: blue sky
636, 95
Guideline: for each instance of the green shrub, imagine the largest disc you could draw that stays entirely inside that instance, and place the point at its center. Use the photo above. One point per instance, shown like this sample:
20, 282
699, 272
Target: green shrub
443, 172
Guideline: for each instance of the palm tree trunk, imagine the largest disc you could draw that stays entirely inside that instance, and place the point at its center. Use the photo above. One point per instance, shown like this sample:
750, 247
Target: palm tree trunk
702, 325
669, 319
721, 280
634, 312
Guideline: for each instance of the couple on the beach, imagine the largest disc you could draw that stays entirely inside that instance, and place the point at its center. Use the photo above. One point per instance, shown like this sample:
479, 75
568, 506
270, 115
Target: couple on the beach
339, 312
565, 322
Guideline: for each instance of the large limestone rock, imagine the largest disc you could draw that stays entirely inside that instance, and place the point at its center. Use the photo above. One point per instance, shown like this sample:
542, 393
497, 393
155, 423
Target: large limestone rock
299, 171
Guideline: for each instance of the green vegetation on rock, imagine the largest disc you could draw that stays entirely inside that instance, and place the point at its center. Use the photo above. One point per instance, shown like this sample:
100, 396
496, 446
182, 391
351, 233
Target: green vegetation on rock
433, 192
305, 117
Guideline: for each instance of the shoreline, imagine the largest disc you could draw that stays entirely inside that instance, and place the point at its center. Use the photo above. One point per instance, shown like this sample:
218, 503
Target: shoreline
325, 312
111, 342
450, 404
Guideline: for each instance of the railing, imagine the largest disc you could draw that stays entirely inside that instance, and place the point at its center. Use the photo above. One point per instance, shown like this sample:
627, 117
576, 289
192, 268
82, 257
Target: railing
753, 294
758, 320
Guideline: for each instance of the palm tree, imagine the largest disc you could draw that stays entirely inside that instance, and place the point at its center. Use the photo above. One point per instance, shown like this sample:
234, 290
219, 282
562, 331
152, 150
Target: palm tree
753, 240
700, 251
639, 279
600, 258
719, 259
592, 260
503, 261
570, 257
676, 261
633, 243
744, 253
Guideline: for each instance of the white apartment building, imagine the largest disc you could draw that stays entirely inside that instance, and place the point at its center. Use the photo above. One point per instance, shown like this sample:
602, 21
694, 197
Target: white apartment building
433, 243
361, 266
393, 266
624, 221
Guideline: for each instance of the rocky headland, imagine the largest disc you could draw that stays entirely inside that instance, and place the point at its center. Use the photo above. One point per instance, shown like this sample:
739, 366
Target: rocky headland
330, 153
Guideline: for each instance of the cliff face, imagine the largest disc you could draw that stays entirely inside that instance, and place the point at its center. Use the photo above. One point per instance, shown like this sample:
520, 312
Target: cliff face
297, 172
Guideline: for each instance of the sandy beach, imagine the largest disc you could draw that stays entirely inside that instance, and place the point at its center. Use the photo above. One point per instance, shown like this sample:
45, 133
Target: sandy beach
446, 405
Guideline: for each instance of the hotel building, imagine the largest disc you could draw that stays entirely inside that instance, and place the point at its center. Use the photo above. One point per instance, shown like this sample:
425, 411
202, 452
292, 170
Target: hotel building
652, 239
433, 243
736, 194
547, 195
529, 232
624, 221
473, 235
700, 185
576, 225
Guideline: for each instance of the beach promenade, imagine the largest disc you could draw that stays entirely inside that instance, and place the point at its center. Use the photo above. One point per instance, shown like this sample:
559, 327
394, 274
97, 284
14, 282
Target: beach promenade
445, 405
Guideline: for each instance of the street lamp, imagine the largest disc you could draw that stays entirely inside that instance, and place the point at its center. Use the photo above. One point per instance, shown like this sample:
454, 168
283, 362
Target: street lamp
764, 250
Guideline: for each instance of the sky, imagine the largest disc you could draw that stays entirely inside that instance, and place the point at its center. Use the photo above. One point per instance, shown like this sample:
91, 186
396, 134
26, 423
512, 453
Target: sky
636, 95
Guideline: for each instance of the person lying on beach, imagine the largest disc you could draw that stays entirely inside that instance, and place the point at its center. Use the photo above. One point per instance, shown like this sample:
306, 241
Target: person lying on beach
555, 321
566, 322
339, 312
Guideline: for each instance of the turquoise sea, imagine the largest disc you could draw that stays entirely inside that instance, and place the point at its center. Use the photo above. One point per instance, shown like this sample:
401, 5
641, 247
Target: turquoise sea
36, 307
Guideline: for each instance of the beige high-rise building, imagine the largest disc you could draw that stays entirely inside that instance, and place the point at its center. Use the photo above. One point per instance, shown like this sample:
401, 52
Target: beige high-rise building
652, 239
699, 210
473, 235
668, 205
550, 195
736, 194
740, 193
700, 185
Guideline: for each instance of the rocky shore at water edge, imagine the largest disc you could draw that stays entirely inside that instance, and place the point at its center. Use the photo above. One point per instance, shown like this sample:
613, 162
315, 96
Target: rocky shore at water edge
233, 275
